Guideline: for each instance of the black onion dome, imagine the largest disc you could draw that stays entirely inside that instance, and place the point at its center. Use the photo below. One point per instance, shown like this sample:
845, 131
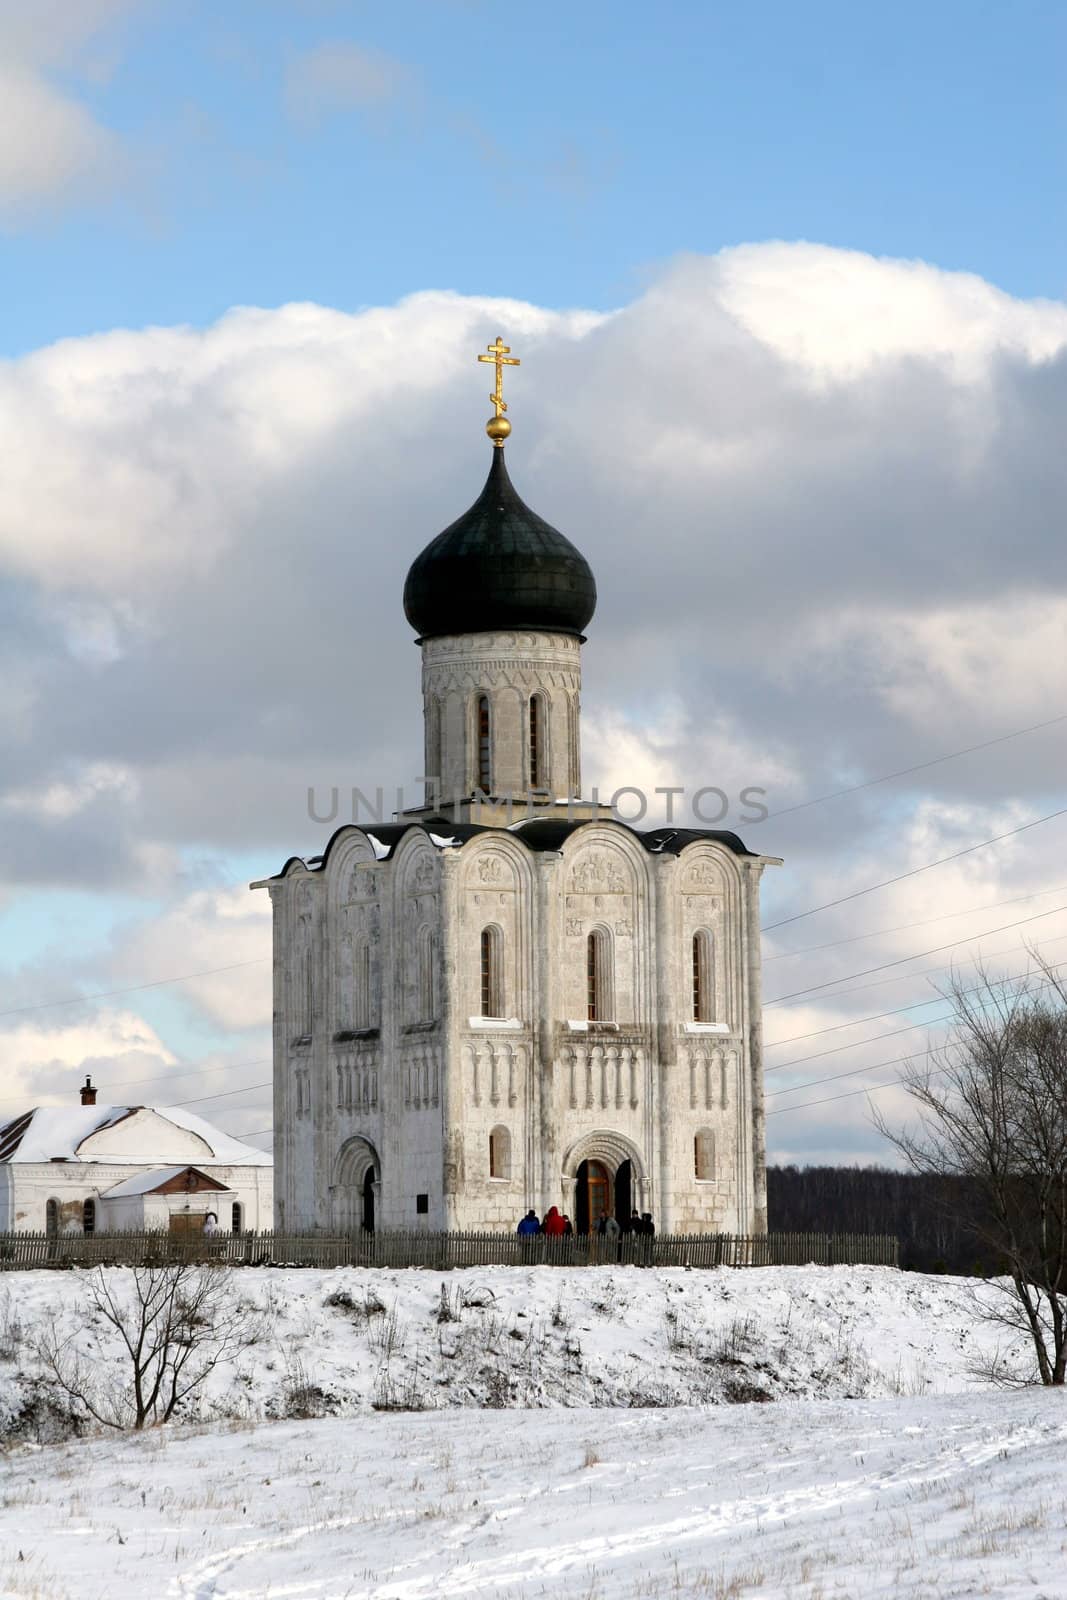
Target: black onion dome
499, 565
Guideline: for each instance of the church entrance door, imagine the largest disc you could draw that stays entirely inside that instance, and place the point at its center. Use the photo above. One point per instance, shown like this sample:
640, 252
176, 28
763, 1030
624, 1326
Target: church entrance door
624, 1193
592, 1191
368, 1200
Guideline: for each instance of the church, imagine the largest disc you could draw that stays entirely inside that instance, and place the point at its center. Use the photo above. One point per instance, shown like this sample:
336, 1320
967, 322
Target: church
507, 998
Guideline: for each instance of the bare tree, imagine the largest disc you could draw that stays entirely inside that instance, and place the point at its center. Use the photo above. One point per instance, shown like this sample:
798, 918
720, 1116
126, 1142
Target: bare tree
993, 1112
180, 1321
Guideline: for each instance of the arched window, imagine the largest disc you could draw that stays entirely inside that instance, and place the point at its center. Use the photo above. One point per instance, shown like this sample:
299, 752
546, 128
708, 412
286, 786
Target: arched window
500, 1153
537, 740
51, 1218
703, 977
492, 997
236, 1217
89, 1216
704, 1155
598, 975
485, 763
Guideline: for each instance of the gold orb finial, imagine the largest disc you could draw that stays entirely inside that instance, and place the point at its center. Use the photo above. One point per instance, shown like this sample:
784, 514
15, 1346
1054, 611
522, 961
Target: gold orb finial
498, 427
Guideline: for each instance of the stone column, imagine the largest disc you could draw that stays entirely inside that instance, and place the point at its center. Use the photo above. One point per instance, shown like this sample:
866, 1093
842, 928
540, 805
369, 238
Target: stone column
546, 1154
755, 1195
453, 1103
665, 1032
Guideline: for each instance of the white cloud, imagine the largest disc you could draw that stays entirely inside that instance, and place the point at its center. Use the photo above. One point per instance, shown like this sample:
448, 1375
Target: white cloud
821, 495
206, 930
53, 151
343, 76
43, 1063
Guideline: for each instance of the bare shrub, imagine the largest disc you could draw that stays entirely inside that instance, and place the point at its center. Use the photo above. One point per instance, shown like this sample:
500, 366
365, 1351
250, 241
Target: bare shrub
180, 1321
993, 1127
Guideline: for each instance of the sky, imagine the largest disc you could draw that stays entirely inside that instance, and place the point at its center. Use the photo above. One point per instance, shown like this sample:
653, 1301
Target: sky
788, 287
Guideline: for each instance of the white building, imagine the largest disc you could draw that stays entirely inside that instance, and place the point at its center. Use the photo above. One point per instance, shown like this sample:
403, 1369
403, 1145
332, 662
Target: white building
93, 1168
473, 1018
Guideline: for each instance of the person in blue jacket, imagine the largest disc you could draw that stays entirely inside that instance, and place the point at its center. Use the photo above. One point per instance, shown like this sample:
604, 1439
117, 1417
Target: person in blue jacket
529, 1223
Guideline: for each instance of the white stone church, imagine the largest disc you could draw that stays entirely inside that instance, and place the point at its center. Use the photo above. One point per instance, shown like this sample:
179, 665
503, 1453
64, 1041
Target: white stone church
475, 1015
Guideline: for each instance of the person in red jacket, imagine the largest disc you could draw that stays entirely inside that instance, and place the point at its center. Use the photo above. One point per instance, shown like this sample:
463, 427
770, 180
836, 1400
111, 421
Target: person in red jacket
553, 1223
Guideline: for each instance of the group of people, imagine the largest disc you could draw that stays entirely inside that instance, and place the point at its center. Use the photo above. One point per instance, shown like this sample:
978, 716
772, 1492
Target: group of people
557, 1224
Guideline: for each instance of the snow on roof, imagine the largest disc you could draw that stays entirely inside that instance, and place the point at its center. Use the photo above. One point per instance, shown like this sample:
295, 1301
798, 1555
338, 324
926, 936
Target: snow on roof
50, 1133
145, 1182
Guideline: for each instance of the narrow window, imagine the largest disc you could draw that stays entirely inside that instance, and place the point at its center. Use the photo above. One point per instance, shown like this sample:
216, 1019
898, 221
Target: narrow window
492, 998
89, 1216
51, 1218
485, 766
426, 998
361, 983
598, 977
236, 1219
703, 981
704, 1155
500, 1153
536, 735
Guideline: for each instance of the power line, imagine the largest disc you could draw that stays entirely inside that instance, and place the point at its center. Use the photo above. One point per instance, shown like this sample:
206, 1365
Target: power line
920, 766
914, 871
225, 1095
858, 1044
918, 955
853, 1072
925, 972
848, 1094
133, 988
835, 1077
905, 927
135, 1083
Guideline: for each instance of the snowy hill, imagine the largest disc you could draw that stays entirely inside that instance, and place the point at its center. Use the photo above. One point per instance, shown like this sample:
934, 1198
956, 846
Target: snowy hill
922, 1486
348, 1340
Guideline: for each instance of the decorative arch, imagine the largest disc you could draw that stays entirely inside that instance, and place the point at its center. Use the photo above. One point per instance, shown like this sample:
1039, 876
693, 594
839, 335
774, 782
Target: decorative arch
356, 1185
608, 1147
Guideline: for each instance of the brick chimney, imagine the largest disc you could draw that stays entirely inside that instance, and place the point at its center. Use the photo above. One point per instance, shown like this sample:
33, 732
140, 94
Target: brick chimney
88, 1093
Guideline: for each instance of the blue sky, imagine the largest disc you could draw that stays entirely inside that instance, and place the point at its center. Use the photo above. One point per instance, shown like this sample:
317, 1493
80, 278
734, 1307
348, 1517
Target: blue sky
850, 449
556, 153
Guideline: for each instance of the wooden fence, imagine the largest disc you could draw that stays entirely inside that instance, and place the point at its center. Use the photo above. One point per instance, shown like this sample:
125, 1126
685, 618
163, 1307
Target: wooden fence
441, 1251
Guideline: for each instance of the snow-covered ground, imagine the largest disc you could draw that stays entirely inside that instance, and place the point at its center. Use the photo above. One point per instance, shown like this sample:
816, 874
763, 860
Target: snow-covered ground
349, 1339
946, 1496
539, 1432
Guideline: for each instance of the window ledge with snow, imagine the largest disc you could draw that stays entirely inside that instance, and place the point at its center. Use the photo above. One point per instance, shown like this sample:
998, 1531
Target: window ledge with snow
496, 1024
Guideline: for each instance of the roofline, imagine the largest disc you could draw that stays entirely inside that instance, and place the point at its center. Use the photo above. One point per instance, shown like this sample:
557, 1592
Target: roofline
467, 832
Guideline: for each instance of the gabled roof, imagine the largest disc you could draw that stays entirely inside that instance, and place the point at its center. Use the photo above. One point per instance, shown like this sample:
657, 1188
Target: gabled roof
152, 1182
57, 1133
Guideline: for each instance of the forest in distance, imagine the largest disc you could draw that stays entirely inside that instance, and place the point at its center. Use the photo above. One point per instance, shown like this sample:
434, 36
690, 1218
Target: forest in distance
930, 1216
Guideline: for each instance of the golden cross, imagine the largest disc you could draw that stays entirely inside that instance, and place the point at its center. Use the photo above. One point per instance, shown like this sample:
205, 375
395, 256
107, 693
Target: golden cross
500, 353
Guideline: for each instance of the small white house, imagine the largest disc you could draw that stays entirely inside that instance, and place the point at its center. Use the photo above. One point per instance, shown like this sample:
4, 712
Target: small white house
93, 1168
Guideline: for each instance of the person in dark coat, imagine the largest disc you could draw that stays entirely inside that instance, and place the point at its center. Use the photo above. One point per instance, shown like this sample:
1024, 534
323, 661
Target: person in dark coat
568, 1226
635, 1223
647, 1225
529, 1223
